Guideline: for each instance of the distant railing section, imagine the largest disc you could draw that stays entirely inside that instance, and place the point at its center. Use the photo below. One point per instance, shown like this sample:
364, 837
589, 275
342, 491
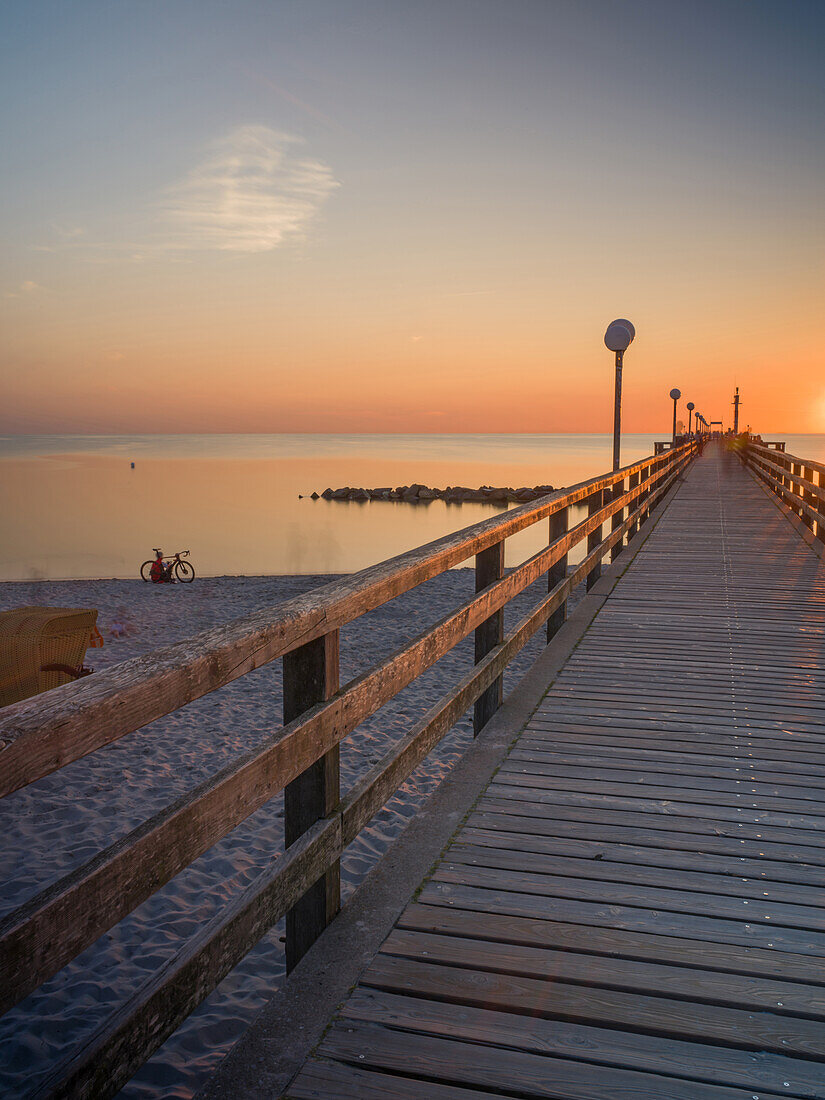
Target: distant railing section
42, 734
798, 482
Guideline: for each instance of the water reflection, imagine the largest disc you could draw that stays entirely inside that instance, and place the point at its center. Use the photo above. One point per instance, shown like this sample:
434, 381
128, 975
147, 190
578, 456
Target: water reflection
89, 515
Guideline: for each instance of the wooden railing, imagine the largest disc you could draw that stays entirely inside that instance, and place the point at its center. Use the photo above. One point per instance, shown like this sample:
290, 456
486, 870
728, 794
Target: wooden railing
798, 482
41, 735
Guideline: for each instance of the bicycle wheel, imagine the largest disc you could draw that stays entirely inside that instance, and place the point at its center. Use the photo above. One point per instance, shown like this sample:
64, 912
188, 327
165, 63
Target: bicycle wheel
146, 570
184, 572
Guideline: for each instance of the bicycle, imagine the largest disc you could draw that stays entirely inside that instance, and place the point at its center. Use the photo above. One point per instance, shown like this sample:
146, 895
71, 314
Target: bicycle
183, 570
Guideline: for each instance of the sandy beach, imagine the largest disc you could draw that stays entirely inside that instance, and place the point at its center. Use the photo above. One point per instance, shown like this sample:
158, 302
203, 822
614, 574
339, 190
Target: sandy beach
54, 825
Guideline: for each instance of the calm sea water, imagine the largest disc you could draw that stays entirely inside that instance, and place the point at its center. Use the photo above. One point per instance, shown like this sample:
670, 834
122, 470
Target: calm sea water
80, 511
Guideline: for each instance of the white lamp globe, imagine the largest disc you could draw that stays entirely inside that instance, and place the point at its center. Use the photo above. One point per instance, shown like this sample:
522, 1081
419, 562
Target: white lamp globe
618, 336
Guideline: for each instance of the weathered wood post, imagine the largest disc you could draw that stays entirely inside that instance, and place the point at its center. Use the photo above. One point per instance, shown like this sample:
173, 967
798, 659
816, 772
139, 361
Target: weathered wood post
594, 504
617, 519
786, 481
310, 677
808, 497
556, 573
633, 483
489, 568
820, 523
644, 496
796, 468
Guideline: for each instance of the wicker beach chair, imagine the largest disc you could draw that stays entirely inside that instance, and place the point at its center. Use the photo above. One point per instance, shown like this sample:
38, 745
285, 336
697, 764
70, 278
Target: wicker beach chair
42, 648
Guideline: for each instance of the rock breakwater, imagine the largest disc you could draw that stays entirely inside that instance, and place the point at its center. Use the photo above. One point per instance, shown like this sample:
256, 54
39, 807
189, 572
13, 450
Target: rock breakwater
453, 494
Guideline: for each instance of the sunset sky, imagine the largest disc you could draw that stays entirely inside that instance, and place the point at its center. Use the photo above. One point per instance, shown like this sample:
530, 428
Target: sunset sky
409, 215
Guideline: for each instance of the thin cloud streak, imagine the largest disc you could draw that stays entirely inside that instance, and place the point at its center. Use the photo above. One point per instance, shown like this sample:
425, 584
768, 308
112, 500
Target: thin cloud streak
254, 192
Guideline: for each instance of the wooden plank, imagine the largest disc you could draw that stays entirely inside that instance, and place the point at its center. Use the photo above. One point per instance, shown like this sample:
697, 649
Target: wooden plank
697, 836
812, 828
738, 885
613, 914
742, 745
723, 958
805, 918
654, 761
522, 1074
547, 963
322, 1079
581, 808
481, 830
609, 1047
556, 999
736, 792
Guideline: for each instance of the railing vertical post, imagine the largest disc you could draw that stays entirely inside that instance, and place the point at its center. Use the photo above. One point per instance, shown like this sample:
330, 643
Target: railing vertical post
617, 519
489, 568
790, 484
310, 677
819, 530
594, 504
632, 483
645, 496
556, 573
808, 497
798, 488
786, 481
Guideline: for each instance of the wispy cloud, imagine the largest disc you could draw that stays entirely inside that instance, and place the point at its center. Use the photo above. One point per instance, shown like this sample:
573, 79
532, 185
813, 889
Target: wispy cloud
28, 286
254, 191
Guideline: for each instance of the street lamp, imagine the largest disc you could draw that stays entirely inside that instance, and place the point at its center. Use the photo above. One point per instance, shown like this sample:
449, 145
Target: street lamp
675, 394
691, 407
618, 338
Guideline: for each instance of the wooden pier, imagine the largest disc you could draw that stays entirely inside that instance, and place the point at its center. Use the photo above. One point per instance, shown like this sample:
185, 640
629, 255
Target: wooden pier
634, 908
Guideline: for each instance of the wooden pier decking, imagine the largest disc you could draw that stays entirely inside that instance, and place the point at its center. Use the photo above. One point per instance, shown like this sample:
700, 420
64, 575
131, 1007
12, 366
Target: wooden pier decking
634, 908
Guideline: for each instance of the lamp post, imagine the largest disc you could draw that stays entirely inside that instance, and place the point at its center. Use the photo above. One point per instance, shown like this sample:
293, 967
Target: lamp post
618, 338
675, 394
690, 408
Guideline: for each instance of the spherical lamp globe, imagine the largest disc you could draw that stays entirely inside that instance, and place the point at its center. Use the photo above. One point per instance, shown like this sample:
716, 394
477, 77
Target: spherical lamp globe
619, 335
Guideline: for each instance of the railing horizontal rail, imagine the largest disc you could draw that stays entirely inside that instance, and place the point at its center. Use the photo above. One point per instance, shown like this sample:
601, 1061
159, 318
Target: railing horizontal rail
792, 480
43, 935
784, 480
40, 735
120, 1045
55, 925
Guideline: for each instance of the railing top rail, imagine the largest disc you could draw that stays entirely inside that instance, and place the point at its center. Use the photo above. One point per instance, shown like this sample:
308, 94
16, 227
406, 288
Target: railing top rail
138, 691
787, 457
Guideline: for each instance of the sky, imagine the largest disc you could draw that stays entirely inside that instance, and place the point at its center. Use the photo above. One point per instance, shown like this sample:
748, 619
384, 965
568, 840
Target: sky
316, 216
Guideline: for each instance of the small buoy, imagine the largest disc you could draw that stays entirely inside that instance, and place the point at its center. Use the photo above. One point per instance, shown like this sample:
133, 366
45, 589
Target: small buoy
133, 465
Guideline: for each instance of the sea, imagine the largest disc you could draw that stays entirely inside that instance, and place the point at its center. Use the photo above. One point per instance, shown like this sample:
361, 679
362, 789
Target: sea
84, 507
